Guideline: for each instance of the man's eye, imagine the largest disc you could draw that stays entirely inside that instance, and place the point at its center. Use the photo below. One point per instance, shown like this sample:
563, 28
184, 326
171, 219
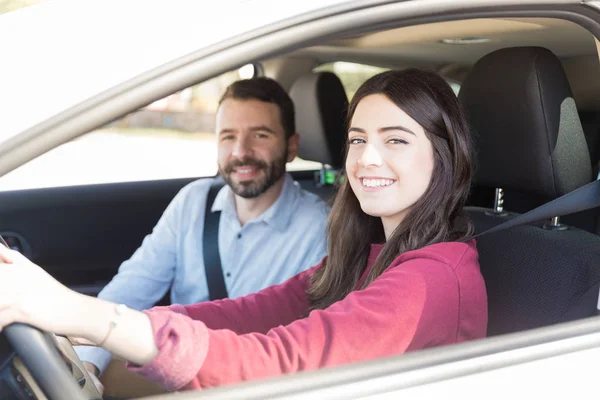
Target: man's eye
357, 141
226, 137
261, 136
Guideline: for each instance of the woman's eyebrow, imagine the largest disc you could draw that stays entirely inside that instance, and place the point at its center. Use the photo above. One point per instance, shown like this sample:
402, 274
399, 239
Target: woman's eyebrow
355, 129
396, 128
384, 129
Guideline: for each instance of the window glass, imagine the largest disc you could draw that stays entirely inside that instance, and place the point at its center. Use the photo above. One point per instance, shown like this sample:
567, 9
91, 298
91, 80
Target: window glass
170, 138
455, 87
352, 75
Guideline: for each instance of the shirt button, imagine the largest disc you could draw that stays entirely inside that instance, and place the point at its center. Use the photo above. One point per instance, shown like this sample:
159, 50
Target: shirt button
228, 274
239, 235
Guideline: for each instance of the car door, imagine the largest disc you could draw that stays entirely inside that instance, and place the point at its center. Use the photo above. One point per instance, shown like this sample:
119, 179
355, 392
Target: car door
82, 233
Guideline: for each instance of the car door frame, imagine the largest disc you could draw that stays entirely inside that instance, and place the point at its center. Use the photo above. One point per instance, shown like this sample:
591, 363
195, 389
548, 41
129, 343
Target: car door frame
427, 367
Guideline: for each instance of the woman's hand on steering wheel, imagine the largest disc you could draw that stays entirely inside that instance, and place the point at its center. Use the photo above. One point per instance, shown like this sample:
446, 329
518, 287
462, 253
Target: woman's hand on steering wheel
28, 294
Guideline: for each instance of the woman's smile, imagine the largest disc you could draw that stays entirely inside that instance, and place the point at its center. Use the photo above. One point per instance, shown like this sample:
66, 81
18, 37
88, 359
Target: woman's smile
375, 184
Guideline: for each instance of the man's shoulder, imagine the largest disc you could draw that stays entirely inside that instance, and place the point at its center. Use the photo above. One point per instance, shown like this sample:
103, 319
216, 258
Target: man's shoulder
310, 203
193, 192
199, 187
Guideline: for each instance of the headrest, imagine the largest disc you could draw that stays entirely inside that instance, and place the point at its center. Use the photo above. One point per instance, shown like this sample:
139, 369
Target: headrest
526, 128
321, 105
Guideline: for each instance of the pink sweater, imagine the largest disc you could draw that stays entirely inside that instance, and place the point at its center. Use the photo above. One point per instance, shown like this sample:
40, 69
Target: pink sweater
427, 297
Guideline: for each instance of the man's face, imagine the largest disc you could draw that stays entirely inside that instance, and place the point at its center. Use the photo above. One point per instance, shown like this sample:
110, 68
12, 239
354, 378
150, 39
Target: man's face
253, 149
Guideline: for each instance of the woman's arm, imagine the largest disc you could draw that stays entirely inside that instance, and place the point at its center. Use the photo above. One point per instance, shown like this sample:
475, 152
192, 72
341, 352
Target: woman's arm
408, 307
30, 295
259, 312
122, 331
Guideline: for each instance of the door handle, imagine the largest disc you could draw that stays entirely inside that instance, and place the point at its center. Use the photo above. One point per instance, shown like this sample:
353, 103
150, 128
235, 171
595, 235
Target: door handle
13, 241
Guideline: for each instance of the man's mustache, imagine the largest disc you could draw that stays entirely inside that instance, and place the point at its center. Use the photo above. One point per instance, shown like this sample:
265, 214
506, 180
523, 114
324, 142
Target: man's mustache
245, 162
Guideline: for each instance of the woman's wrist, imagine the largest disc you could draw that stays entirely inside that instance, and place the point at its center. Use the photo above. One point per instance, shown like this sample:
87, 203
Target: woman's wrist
91, 318
121, 330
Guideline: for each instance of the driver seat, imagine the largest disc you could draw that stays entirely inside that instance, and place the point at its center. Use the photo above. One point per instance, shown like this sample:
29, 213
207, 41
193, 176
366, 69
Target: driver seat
529, 138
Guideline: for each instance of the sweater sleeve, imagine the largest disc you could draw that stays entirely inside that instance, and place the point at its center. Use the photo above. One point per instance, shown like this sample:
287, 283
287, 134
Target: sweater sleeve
413, 305
258, 312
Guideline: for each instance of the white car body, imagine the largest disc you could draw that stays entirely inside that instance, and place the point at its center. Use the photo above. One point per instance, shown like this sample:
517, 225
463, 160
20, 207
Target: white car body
67, 53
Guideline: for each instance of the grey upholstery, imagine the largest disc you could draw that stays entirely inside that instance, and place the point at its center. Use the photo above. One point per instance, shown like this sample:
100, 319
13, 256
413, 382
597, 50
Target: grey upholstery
529, 139
519, 100
321, 105
590, 120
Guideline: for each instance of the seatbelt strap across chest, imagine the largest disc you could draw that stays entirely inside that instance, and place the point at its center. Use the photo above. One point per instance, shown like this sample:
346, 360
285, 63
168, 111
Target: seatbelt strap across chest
210, 245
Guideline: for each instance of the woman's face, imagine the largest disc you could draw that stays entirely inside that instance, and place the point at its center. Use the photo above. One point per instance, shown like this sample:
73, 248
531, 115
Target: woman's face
390, 160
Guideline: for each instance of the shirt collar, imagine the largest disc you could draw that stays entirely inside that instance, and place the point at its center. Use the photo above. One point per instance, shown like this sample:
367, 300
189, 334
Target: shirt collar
224, 200
277, 215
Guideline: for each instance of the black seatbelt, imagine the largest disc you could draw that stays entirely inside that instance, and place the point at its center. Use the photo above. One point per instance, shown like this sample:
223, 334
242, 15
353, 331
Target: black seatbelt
210, 243
581, 199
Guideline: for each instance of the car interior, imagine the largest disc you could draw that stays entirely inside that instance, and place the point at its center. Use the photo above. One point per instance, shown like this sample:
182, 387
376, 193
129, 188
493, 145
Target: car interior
529, 91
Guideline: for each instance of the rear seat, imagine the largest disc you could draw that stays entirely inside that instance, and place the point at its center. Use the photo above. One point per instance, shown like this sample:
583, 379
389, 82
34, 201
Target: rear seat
321, 105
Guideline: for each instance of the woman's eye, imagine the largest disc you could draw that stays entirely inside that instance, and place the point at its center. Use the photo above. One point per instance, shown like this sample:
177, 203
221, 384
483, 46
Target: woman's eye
357, 141
397, 141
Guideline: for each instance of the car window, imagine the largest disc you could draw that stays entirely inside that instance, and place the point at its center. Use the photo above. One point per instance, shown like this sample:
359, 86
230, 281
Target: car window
455, 86
170, 138
352, 75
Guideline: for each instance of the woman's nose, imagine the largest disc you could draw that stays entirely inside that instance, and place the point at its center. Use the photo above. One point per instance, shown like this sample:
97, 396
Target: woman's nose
370, 157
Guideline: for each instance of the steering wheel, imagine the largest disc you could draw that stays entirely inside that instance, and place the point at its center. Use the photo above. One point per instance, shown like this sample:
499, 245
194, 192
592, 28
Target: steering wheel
39, 353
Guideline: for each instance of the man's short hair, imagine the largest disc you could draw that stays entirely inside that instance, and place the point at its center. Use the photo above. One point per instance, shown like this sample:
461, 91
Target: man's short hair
269, 91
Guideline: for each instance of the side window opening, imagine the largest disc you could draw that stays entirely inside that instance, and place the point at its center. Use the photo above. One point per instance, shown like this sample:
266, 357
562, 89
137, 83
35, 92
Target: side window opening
171, 138
353, 75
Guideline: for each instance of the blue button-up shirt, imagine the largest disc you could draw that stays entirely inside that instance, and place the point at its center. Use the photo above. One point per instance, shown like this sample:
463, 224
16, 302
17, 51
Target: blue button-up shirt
289, 237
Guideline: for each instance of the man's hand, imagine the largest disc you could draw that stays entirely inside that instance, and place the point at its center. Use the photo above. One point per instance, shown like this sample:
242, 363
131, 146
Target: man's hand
94, 374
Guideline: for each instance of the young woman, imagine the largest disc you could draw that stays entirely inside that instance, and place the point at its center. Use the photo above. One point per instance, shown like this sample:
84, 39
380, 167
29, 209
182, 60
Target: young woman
399, 275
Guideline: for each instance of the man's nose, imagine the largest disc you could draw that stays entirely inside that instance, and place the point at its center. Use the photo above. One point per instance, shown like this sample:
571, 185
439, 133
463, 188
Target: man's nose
370, 157
241, 147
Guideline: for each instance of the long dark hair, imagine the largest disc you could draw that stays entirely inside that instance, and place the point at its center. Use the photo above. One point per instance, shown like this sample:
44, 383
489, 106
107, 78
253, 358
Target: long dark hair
436, 217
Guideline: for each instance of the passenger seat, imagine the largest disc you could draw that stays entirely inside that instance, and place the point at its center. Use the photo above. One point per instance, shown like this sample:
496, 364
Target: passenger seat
590, 121
529, 140
525, 198
321, 105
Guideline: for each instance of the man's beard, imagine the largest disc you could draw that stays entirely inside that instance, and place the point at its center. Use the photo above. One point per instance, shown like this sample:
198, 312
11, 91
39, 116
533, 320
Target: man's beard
253, 188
